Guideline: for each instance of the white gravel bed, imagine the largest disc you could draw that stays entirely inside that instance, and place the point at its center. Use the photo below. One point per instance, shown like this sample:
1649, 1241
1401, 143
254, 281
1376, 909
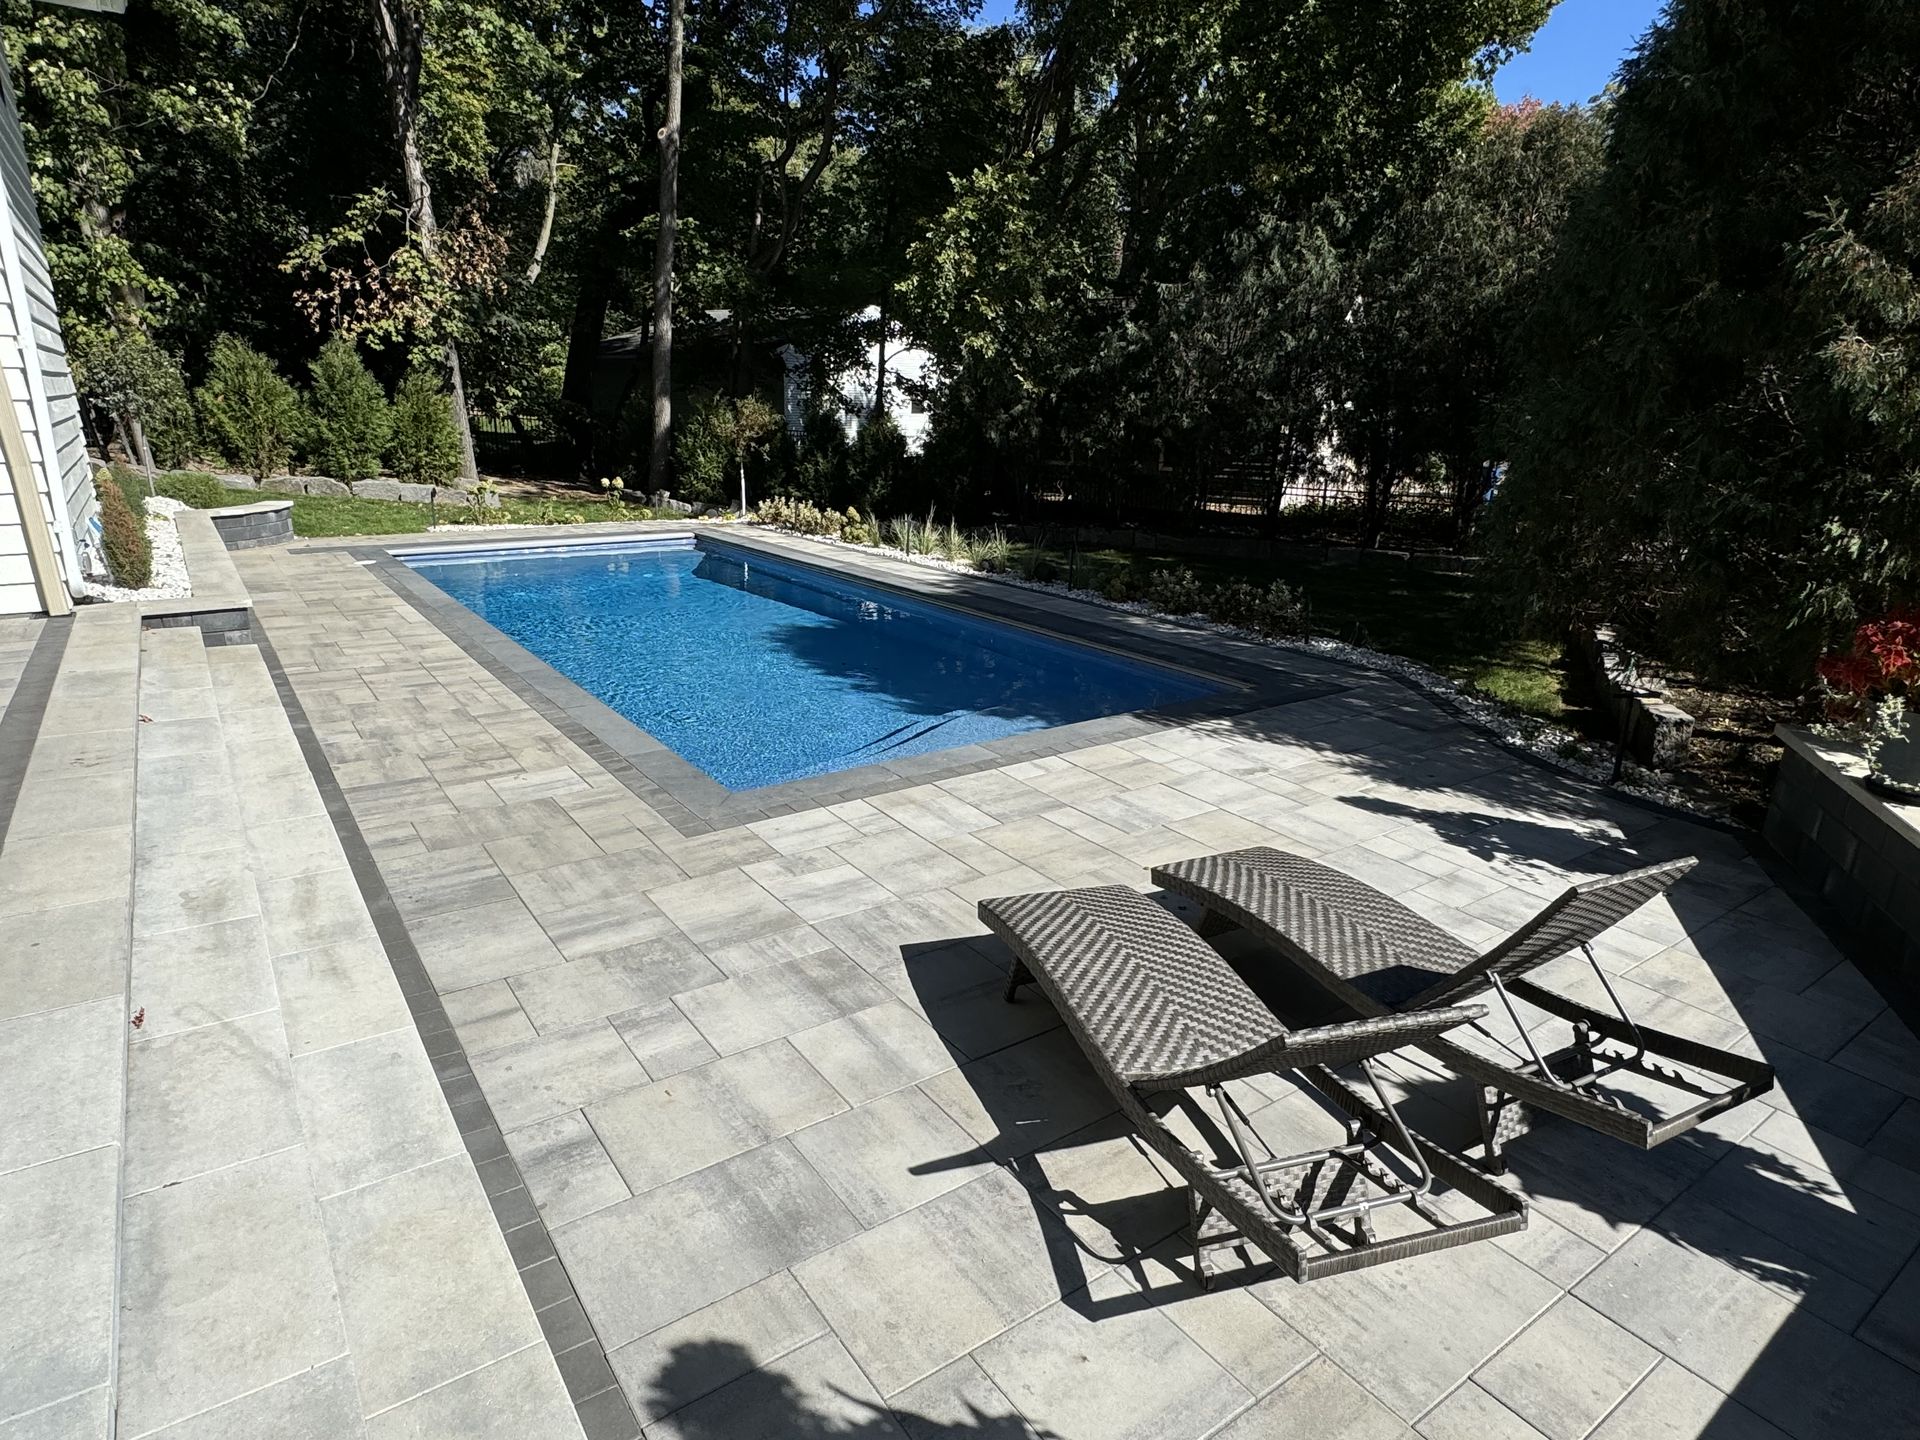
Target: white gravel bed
169, 578
1557, 746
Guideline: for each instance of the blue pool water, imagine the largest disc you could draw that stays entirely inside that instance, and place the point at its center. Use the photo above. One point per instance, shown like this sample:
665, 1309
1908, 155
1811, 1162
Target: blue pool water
760, 672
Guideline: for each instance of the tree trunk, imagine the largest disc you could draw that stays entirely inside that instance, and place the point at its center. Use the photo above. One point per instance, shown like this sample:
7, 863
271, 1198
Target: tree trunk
661, 452
880, 360
546, 221
137, 433
398, 33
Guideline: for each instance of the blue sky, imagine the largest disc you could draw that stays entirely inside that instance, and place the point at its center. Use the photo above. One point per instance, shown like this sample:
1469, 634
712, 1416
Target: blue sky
1575, 54
1572, 59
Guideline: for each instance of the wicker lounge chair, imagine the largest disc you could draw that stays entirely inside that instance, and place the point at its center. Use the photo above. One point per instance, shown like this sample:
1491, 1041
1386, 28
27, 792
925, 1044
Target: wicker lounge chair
1159, 1014
1382, 959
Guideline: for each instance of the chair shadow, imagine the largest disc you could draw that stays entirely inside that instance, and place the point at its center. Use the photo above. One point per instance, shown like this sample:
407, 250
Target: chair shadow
768, 1403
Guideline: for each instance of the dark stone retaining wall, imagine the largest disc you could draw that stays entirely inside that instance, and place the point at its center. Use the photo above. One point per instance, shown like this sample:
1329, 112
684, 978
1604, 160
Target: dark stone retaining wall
245, 526
1860, 851
1659, 733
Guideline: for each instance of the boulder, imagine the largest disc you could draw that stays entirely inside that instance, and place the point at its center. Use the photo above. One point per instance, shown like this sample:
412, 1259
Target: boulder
284, 484
455, 495
238, 482
676, 507
380, 489
323, 485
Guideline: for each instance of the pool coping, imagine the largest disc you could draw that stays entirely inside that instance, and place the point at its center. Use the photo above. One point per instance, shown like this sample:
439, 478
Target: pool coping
694, 803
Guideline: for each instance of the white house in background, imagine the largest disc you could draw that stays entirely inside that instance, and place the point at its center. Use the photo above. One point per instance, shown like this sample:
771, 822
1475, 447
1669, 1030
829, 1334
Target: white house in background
851, 391
47, 509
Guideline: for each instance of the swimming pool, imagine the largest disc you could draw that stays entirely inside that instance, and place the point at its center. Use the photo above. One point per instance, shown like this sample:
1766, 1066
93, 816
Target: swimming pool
760, 672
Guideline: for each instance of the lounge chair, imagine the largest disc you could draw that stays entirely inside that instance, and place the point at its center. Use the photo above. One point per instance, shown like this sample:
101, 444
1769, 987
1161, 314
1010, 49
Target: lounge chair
1159, 1013
1382, 959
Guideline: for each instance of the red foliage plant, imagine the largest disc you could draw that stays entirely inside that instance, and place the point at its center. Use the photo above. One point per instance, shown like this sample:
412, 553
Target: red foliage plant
1884, 660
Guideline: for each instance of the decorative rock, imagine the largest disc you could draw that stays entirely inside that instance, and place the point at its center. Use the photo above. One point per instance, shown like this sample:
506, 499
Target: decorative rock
284, 485
238, 482
377, 489
323, 485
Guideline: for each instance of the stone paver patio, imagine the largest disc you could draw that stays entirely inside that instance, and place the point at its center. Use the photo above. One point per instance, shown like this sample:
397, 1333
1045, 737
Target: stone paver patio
772, 1157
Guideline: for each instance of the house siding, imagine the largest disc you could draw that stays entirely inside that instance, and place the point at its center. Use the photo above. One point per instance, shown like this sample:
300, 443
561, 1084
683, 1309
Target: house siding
38, 377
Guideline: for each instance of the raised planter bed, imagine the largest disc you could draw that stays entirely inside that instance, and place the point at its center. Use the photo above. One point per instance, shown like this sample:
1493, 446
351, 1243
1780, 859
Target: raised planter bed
242, 527
1859, 850
1659, 733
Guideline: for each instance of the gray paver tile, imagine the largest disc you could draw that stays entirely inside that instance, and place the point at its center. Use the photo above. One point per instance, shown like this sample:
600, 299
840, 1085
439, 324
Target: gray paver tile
1738, 1335
86, 1416
552, 1074
874, 1051
61, 1070
1894, 1325
183, 888
486, 1017
816, 1387
662, 1255
189, 1250
663, 1039
793, 943
891, 1154
519, 1397
1246, 1338
1567, 1369
566, 1168
57, 1272
958, 1400
692, 1357
814, 887
67, 956
1018, 1099
295, 847
807, 830
49, 800
1794, 1275
305, 912
441, 881
489, 942
557, 845
590, 907
318, 1404
1674, 1404
597, 986
337, 993
371, 1108
1131, 1374
904, 865
766, 1004
207, 1098
1886, 1052
426, 1286
926, 1287
722, 908
1413, 1331
1321, 1402
674, 1127
194, 977
1470, 1413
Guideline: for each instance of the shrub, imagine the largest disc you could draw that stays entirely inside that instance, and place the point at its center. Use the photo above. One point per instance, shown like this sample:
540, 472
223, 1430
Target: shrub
799, 516
1175, 592
1282, 611
128, 375
201, 491
856, 530
877, 462
701, 452
249, 407
425, 448
916, 537
351, 423
821, 464
953, 545
992, 552
123, 535
1234, 604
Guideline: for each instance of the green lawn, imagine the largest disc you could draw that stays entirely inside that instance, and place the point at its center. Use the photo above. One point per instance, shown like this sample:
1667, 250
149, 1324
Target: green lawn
335, 515
1443, 621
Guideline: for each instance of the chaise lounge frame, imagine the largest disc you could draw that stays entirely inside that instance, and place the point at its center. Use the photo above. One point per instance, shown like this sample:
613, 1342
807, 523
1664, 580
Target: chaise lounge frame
1159, 1014
1381, 959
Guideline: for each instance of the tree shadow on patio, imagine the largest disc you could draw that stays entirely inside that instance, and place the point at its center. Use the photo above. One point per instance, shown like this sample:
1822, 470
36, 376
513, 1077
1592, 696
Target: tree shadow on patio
817, 1393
